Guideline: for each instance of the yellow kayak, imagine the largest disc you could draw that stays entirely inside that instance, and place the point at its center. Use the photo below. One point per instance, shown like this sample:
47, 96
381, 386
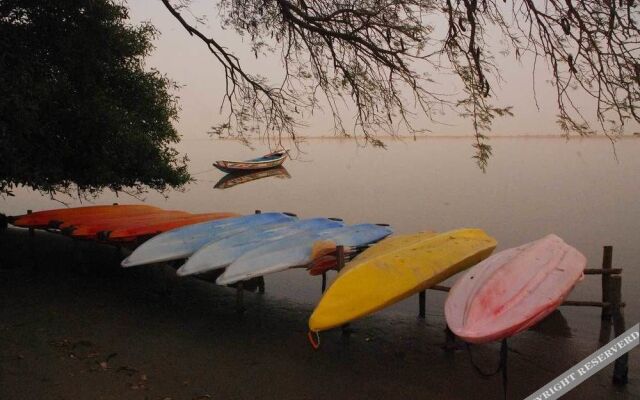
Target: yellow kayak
396, 268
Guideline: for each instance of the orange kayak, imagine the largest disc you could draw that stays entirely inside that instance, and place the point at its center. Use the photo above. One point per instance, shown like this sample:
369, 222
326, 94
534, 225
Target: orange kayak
90, 227
111, 218
44, 219
135, 231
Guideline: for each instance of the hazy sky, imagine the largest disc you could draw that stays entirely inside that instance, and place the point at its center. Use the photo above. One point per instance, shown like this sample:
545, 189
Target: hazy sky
187, 61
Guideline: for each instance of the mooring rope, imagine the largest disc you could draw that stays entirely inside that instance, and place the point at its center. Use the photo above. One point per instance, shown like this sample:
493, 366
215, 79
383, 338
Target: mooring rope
502, 365
314, 343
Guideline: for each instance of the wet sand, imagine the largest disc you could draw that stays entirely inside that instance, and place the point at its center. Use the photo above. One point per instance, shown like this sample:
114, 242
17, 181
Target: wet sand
82, 328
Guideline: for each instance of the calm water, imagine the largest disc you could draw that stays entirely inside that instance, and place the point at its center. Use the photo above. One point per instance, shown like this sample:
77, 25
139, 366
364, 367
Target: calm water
533, 186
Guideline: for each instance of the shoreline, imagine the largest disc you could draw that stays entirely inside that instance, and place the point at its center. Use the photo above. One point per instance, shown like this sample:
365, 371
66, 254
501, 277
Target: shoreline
88, 329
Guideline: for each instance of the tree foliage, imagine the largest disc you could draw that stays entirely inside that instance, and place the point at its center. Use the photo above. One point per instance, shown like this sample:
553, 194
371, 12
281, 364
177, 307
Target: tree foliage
370, 53
78, 110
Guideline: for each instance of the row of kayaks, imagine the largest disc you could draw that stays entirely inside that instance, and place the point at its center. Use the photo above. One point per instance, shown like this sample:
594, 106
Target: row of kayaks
254, 245
498, 296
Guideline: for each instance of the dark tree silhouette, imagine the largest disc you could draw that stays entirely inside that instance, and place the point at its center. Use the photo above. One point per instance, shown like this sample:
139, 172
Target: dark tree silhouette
78, 111
369, 52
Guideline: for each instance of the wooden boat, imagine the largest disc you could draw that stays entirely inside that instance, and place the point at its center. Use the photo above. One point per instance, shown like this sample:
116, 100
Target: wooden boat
267, 161
238, 178
396, 268
513, 290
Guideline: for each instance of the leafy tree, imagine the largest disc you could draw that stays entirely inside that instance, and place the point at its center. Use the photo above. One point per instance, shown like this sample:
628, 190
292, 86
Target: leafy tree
78, 110
370, 52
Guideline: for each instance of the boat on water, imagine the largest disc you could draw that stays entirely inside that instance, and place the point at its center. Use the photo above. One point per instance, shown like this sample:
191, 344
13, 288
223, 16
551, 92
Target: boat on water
238, 178
271, 160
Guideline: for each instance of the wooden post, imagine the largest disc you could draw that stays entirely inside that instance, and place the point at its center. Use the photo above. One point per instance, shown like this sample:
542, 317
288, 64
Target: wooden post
4, 224
450, 342
422, 302
240, 298
607, 260
32, 247
340, 257
32, 231
261, 284
324, 281
621, 365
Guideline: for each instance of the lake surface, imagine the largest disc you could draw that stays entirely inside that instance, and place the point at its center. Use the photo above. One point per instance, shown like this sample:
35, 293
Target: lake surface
576, 189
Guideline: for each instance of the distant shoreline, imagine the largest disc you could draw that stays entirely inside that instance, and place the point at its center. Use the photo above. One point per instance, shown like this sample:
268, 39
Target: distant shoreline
454, 136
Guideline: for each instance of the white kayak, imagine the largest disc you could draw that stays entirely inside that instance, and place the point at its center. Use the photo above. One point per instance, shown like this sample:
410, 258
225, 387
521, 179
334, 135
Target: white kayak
183, 242
220, 253
299, 250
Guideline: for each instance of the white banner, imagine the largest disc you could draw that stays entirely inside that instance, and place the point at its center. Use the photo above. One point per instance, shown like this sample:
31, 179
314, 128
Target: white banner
589, 366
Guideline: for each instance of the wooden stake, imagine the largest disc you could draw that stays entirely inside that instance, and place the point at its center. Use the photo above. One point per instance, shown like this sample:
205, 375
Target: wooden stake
261, 284
340, 257
621, 365
240, 298
607, 259
32, 231
324, 281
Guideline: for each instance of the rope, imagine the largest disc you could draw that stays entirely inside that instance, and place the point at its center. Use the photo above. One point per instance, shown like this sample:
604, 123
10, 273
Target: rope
502, 365
314, 343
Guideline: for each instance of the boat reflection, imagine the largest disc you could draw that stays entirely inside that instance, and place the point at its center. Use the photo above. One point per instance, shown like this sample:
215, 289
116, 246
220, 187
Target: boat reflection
238, 178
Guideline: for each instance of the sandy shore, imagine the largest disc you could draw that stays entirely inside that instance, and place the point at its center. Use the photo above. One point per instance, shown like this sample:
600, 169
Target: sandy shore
82, 328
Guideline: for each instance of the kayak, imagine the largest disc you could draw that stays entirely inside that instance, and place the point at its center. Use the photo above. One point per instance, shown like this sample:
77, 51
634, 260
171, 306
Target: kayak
396, 268
45, 219
513, 290
183, 242
299, 251
82, 227
129, 232
223, 252
74, 221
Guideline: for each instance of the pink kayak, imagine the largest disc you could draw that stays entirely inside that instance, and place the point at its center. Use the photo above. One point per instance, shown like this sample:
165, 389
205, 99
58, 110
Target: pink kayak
513, 290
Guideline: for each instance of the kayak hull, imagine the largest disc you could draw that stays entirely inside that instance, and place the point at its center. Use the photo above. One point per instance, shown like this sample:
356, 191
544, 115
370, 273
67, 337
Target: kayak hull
513, 290
395, 269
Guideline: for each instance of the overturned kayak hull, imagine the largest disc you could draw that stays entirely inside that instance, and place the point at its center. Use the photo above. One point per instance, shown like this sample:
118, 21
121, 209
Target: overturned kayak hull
513, 290
183, 242
219, 254
299, 251
396, 268
53, 218
134, 231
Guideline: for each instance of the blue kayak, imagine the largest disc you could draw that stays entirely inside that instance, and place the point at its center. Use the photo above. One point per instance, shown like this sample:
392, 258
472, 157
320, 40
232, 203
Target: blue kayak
220, 253
299, 250
183, 242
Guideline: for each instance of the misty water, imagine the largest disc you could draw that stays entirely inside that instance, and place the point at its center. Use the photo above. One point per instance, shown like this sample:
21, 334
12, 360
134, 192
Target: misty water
585, 190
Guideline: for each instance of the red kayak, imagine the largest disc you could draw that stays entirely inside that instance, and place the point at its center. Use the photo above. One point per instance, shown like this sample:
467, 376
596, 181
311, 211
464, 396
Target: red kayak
137, 230
90, 227
46, 219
